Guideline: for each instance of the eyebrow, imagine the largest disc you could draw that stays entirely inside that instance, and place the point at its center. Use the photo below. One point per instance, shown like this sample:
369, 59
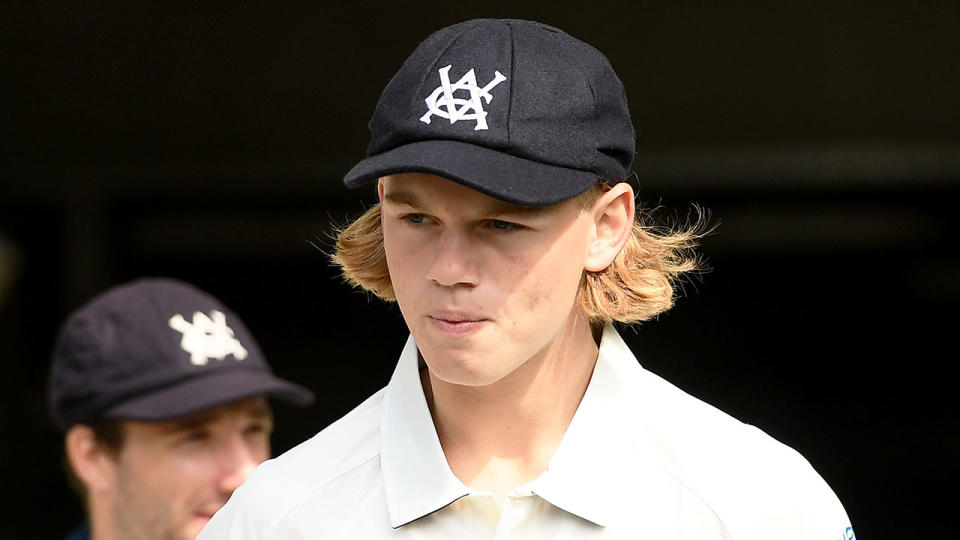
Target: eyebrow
403, 197
492, 207
258, 413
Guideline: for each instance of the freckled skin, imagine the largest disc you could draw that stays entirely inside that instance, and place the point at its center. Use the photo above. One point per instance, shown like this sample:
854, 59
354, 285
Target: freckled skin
522, 282
534, 302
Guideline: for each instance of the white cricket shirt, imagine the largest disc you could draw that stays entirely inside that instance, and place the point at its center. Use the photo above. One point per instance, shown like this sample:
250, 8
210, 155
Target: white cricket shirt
640, 459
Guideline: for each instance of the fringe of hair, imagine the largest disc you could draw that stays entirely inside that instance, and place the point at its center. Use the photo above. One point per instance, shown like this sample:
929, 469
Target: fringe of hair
359, 253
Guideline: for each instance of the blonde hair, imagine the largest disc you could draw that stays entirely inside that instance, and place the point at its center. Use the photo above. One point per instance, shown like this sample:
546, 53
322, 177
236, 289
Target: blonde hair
639, 284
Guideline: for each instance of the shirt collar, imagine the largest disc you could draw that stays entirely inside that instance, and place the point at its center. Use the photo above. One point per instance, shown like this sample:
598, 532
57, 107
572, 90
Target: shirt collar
583, 475
586, 472
416, 477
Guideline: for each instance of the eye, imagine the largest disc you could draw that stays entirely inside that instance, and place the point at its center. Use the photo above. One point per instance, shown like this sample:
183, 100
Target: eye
255, 429
505, 226
196, 435
416, 219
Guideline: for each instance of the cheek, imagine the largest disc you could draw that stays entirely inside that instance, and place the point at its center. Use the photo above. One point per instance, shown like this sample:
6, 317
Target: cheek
551, 287
156, 477
259, 449
402, 256
182, 475
535, 296
547, 293
264, 449
185, 476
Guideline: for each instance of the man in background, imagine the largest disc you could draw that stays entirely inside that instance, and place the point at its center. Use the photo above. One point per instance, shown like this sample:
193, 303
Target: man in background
161, 393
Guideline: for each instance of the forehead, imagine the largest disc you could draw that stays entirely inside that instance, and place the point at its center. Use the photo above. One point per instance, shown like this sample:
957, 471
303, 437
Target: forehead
422, 190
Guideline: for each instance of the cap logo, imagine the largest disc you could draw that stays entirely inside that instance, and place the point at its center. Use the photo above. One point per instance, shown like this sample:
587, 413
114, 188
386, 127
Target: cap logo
460, 108
207, 337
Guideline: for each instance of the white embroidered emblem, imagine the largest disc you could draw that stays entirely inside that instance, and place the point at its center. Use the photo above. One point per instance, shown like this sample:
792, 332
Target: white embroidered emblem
207, 337
461, 108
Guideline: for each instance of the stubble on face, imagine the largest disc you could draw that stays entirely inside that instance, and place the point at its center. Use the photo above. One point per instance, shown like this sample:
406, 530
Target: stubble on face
168, 479
140, 515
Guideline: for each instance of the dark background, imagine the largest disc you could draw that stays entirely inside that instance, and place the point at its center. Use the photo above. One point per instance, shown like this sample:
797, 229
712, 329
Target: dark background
207, 141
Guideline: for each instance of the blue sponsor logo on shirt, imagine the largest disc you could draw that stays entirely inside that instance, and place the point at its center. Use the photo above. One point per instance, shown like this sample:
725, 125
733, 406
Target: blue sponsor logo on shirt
848, 534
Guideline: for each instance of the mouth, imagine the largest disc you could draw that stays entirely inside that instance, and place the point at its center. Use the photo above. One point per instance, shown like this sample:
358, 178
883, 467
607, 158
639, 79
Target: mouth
457, 322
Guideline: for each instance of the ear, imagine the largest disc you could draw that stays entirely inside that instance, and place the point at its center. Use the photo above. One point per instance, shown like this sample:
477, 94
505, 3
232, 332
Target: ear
92, 463
380, 189
613, 222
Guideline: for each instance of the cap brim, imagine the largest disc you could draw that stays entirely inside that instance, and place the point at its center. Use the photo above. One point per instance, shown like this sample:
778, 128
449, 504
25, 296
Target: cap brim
201, 393
497, 174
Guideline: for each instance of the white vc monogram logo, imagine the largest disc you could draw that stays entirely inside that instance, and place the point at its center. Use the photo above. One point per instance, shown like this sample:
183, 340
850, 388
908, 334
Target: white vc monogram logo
460, 108
207, 338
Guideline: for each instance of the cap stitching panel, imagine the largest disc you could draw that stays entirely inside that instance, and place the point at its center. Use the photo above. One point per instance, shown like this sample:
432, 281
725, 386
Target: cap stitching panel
162, 317
513, 64
428, 72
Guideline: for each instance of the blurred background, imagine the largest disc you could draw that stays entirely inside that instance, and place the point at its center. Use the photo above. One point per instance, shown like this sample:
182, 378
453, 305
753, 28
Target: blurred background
207, 142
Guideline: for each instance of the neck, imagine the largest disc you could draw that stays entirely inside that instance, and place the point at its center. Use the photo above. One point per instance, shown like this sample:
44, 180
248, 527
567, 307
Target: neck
503, 435
98, 512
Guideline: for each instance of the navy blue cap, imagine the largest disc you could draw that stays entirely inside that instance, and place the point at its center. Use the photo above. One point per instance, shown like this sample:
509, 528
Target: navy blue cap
515, 109
157, 349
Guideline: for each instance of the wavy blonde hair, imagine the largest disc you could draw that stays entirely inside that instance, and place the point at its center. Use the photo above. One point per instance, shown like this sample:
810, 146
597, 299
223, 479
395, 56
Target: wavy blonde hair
639, 284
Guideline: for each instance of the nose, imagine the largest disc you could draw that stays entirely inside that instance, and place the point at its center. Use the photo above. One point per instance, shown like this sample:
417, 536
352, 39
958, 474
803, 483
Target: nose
237, 462
454, 260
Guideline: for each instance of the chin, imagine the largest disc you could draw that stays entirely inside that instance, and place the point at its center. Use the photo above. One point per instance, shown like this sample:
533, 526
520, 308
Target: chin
466, 369
468, 379
477, 360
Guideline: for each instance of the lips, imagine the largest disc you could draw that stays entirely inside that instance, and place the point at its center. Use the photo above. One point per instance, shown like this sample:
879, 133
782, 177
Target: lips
457, 322
456, 316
